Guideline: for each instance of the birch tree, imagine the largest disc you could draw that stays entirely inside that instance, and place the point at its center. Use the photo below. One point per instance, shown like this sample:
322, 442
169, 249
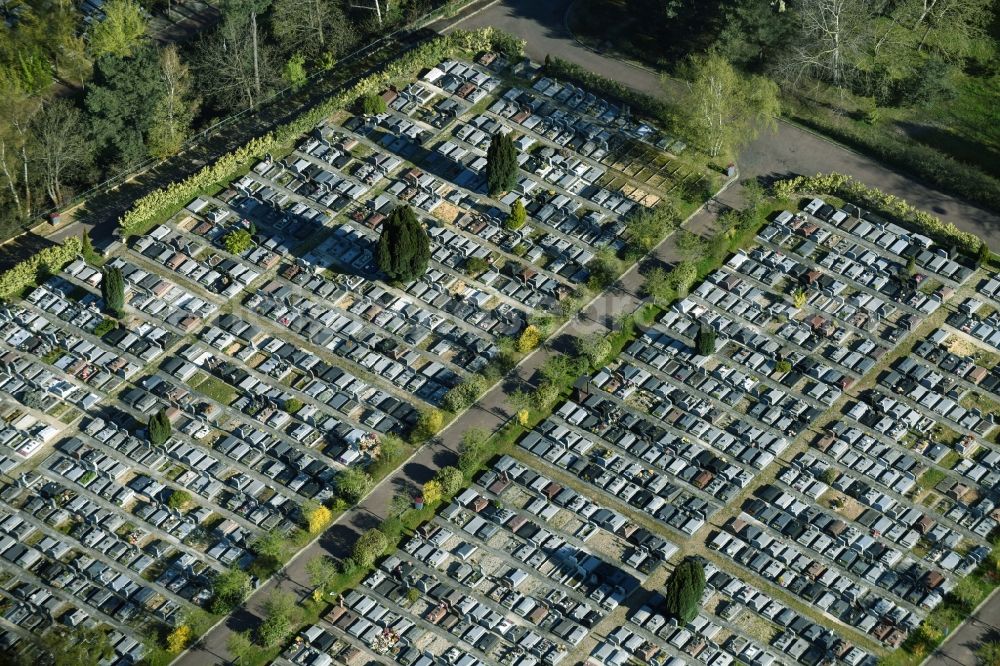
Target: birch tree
722, 109
16, 110
174, 113
949, 27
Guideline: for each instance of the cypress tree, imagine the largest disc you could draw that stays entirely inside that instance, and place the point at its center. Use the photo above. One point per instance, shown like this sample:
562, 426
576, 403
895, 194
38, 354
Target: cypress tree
983, 254
113, 290
87, 247
404, 248
705, 342
159, 428
501, 164
683, 590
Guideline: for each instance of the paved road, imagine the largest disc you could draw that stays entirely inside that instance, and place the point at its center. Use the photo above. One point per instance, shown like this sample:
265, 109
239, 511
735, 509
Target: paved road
185, 20
792, 150
960, 648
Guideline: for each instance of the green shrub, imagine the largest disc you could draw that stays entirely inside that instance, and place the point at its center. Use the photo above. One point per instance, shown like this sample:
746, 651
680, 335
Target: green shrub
518, 216
853, 190
476, 265
237, 241
373, 104
105, 327
921, 160
50, 260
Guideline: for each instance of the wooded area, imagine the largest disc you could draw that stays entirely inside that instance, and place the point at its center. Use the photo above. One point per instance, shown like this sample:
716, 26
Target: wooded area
913, 82
81, 102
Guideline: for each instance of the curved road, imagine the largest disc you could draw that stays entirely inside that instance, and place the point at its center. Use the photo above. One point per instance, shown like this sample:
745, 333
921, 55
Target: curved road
790, 150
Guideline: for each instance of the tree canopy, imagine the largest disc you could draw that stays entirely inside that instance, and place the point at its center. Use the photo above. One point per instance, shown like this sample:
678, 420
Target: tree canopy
173, 114
62, 150
159, 428
404, 247
645, 228
113, 290
501, 164
683, 590
322, 571
121, 102
352, 484
313, 28
121, 31
517, 217
237, 241
705, 340
370, 546
724, 109
373, 104
593, 347
230, 588
280, 616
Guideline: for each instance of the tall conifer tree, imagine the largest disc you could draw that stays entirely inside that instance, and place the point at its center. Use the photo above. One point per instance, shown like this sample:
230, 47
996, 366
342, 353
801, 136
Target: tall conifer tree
501, 164
403, 248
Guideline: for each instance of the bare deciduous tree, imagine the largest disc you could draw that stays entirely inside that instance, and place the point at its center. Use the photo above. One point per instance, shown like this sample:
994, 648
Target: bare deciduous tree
16, 110
59, 145
311, 27
832, 35
235, 68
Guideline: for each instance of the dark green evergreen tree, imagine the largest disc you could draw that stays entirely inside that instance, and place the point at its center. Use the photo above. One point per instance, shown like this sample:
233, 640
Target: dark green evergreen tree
120, 102
983, 255
87, 246
501, 164
159, 428
113, 290
705, 341
683, 590
404, 248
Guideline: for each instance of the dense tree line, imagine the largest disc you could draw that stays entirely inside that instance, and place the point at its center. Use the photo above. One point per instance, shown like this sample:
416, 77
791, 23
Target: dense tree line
910, 82
894, 50
82, 102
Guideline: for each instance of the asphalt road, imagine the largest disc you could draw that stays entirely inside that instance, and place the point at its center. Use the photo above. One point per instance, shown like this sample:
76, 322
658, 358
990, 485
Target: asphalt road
791, 150
981, 627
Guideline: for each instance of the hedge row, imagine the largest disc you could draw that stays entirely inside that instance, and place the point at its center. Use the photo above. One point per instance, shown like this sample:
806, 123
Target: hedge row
922, 161
646, 104
163, 202
851, 189
49, 260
